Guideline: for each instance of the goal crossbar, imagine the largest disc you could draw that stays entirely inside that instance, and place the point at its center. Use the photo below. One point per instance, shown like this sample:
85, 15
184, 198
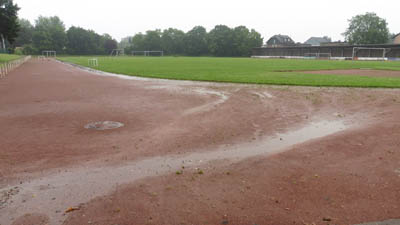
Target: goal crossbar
356, 49
148, 53
93, 62
49, 53
117, 52
318, 55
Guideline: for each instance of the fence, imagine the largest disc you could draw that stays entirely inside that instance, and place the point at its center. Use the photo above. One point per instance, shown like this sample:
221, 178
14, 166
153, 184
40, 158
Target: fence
7, 67
335, 51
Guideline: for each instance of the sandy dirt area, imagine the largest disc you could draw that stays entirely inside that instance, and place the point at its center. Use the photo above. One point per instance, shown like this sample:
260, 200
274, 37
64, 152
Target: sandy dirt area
193, 152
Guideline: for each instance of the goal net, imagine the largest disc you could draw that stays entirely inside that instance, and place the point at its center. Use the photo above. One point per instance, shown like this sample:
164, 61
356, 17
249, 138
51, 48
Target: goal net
147, 53
365, 53
317, 55
117, 52
49, 54
93, 62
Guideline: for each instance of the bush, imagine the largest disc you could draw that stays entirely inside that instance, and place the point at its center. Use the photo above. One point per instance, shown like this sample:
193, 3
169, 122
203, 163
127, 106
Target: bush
18, 51
29, 50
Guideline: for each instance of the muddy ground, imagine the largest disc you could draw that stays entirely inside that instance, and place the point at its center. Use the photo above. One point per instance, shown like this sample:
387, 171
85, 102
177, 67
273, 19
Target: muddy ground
193, 152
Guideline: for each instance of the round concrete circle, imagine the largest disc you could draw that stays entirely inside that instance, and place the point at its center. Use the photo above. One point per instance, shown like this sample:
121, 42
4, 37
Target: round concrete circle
104, 125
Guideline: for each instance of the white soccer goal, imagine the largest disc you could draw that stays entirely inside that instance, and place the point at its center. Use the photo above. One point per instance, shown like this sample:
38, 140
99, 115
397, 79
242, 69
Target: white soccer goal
317, 55
49, 54
368, 53
117, 52
148, 53
93, 62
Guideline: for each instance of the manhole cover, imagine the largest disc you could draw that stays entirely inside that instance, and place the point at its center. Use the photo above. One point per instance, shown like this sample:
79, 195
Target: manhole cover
104, 125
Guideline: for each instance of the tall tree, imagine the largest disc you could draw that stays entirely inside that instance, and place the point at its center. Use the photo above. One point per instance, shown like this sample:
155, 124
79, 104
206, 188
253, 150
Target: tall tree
9, 26
172, 41
109, 43
137, 43
254, 40
82, 42
367, 29
241, 41
49, 34
220, 41
25, 33
152, 40
195, 41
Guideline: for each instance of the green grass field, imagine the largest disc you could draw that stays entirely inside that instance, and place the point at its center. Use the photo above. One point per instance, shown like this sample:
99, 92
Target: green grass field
245, 70
8, 57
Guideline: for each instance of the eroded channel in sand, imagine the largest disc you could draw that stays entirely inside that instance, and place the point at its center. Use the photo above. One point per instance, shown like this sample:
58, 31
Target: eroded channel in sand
53, 194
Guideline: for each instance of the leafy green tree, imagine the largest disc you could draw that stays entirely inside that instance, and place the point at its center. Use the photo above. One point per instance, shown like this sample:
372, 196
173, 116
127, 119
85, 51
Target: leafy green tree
9, 26
28, 49
109, 43
220, 41
82, 42
49, 34
241, 44
137, 42
146, 42
195, 41
172, 41
254, 40
25, 33
99, 41
367, 29
152, 40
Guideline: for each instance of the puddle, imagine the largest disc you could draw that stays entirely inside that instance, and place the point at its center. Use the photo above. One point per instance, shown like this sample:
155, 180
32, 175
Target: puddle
264, 94
222, 96
386, 222
139, 78
397, 171
71, 188
208, 106
103, 125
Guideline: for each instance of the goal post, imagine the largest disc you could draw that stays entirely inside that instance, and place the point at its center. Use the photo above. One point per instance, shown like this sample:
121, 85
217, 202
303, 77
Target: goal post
93, 62
147, 53
138, 53
369, 53
317, 55
49, 54
117, 52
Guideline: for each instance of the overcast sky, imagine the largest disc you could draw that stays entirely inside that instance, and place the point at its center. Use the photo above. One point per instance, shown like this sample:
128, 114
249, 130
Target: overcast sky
298, 19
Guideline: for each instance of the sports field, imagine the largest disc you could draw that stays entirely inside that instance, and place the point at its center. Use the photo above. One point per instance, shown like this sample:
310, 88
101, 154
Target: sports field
79, 147
8, 57
246, 70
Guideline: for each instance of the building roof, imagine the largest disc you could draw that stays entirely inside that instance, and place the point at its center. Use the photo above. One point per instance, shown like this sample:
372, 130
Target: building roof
316, 41
282, 38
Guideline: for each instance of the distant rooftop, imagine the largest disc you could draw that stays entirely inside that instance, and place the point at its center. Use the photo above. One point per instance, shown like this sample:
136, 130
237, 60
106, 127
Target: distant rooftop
317, 41
280, 40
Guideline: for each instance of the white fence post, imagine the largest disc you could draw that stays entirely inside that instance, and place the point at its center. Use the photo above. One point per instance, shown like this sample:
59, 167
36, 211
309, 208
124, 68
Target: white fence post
7, 67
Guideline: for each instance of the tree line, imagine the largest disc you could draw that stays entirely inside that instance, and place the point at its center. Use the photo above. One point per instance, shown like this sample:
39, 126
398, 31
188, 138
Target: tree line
49, 33
220, 41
